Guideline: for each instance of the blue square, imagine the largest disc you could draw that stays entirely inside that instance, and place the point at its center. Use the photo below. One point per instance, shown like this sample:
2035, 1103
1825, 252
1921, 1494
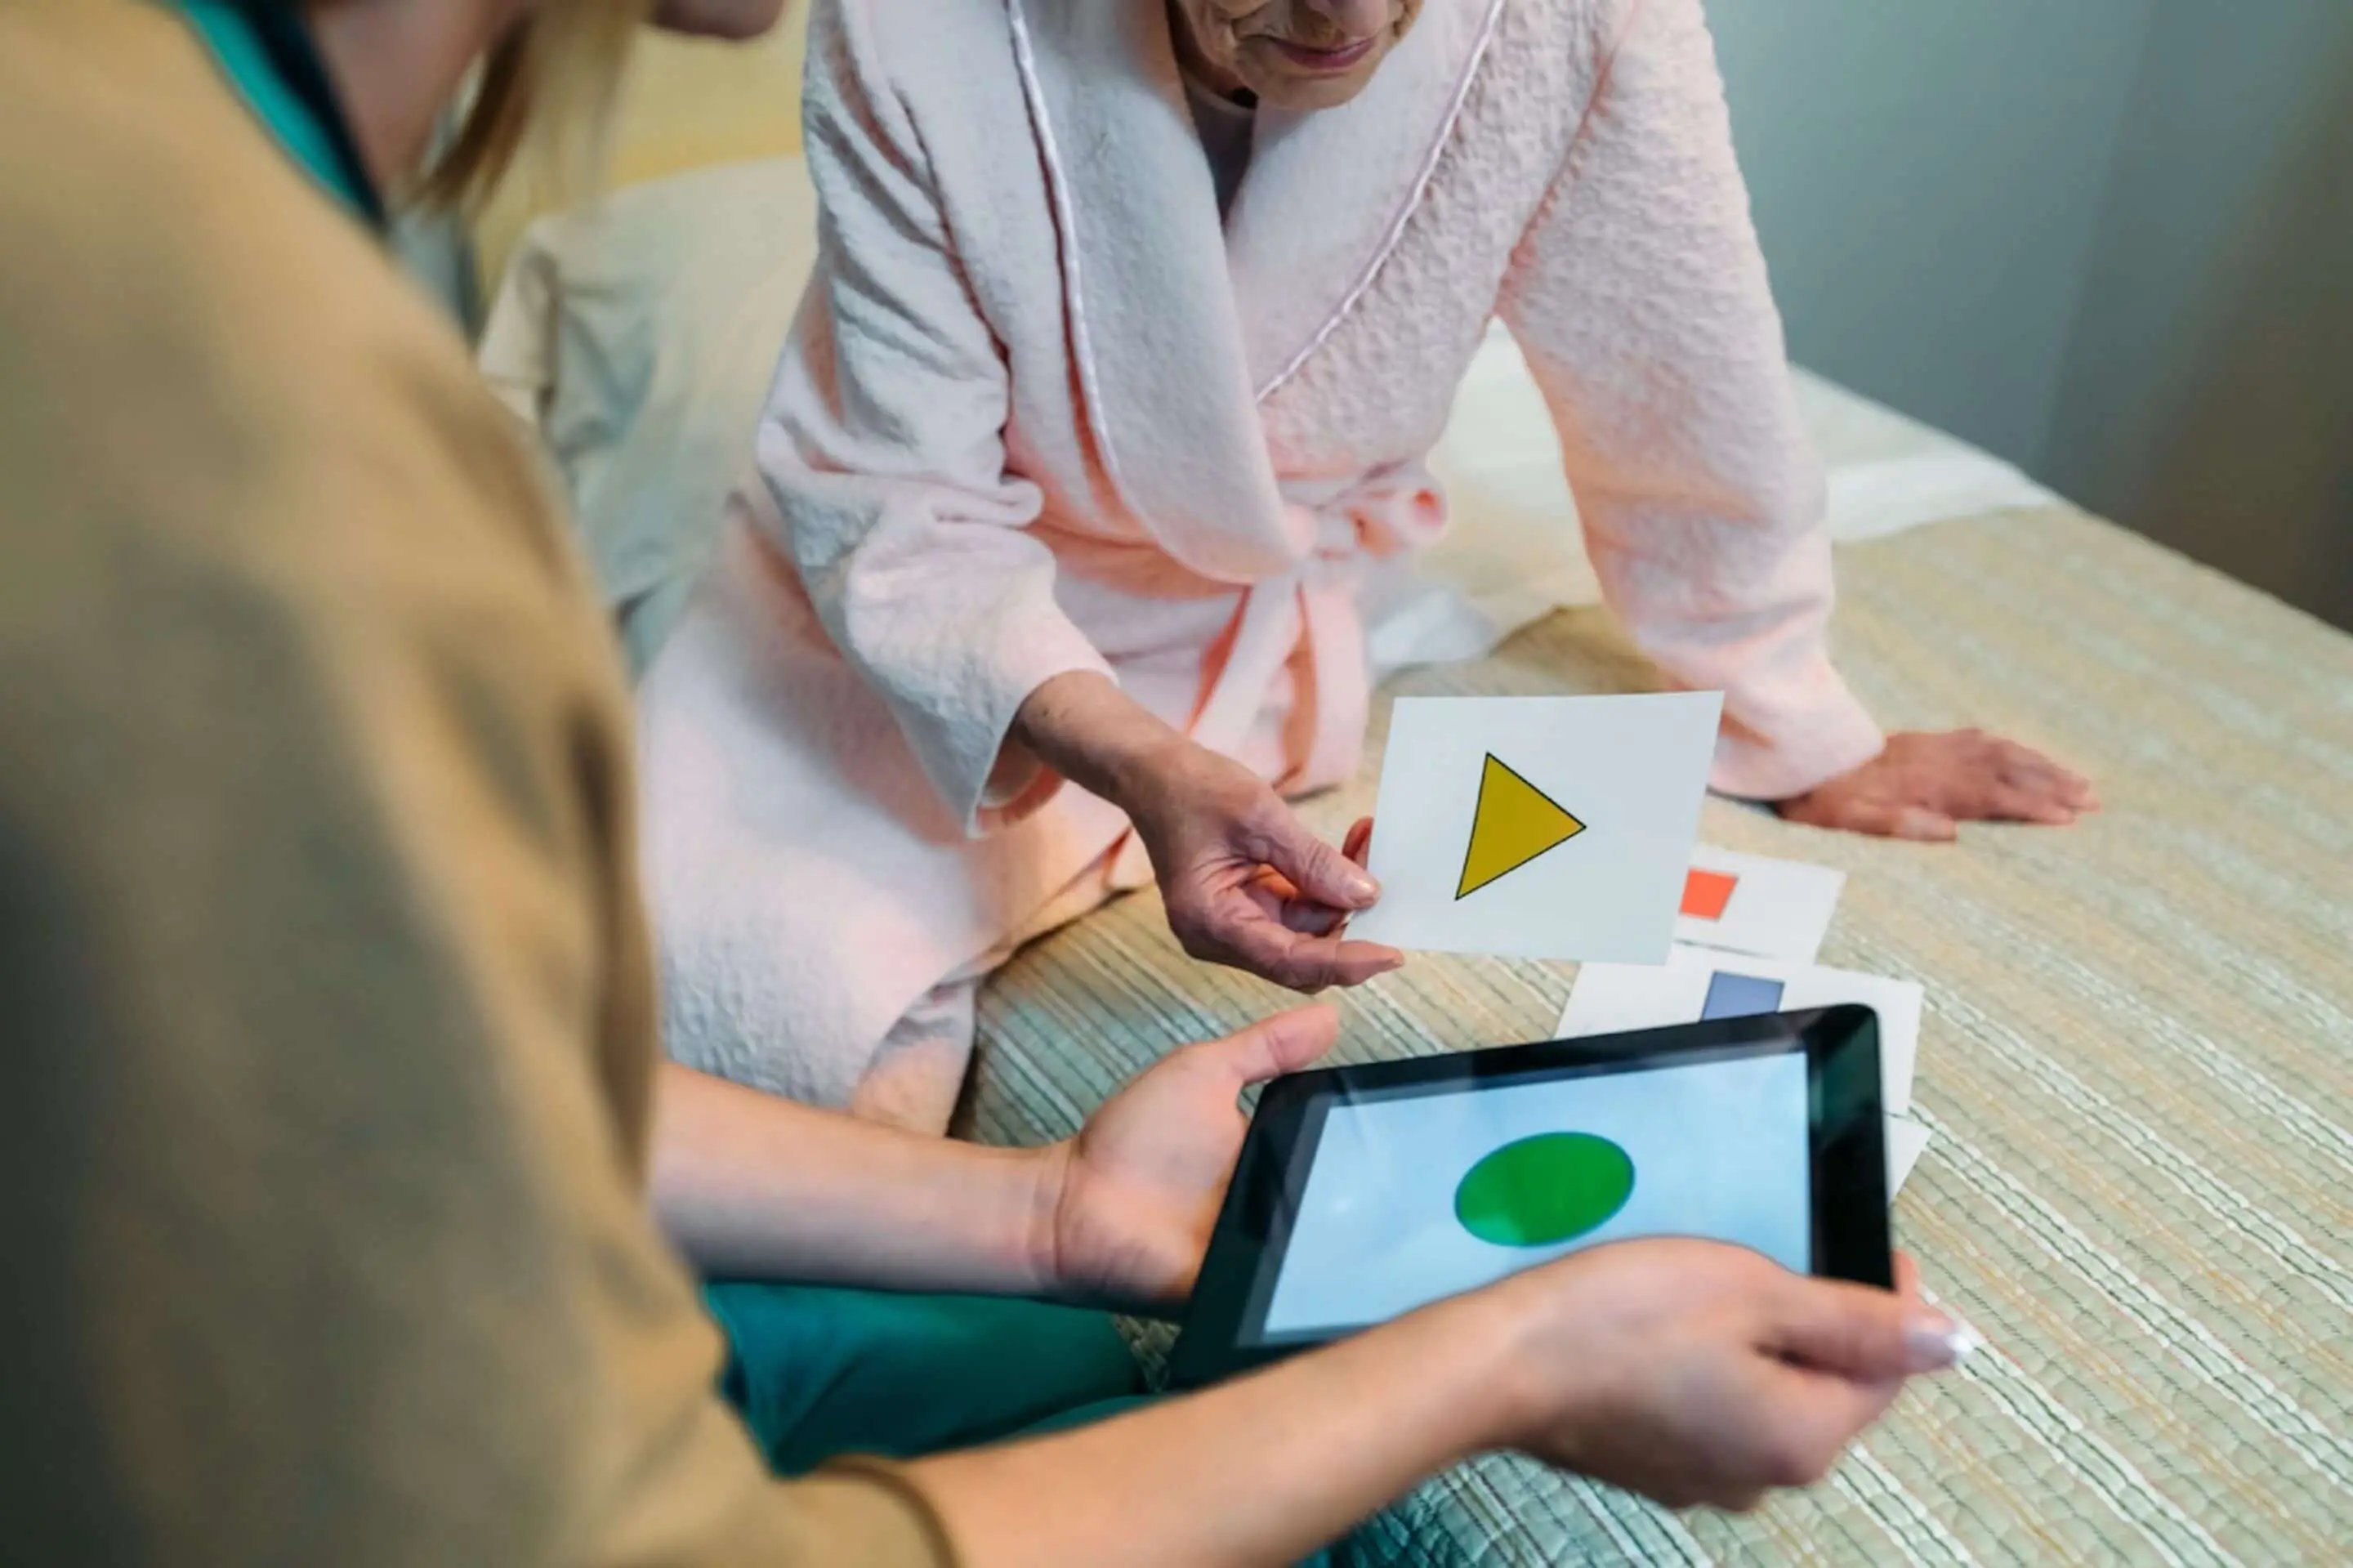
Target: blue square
1740, 996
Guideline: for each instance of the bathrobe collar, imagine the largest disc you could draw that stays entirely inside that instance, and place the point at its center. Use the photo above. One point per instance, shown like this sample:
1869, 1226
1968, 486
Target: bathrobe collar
1180, 326
1328, 192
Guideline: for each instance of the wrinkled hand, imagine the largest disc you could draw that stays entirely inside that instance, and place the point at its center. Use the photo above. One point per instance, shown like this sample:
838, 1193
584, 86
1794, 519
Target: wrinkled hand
1135, 1194
1245, 883
1701, 1374
1924, 785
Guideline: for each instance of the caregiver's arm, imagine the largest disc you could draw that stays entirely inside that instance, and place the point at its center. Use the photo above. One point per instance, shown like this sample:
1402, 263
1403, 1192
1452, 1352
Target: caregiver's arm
1642, 302
752, 1185
1693, 1372
749, 1183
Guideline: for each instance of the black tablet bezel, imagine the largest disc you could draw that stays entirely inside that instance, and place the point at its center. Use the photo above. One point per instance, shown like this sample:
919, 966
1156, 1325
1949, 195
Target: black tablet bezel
1846, 1135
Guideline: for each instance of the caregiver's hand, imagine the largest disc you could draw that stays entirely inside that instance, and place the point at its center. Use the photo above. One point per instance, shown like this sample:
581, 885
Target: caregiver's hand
1701, 1374
1245, 883
1131, 1201
1923, 785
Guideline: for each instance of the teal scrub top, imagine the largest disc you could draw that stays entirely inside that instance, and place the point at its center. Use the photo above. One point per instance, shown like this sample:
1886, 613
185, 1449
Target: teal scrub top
299, 114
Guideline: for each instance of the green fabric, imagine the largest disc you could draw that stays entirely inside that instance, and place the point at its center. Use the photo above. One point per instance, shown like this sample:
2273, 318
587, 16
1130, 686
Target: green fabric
818, 1372
229, 34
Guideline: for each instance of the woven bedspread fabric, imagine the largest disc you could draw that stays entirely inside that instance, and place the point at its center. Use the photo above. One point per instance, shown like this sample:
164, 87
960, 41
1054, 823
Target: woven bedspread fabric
2137, 1061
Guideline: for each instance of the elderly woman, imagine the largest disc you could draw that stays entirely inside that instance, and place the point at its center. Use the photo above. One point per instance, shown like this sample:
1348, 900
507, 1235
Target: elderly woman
1129, 333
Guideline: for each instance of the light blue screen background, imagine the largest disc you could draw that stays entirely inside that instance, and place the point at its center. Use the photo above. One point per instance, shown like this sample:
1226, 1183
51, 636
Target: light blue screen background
1719, 1151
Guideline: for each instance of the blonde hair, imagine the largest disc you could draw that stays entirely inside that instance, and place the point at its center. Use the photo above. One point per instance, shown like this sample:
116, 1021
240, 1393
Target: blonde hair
547, 88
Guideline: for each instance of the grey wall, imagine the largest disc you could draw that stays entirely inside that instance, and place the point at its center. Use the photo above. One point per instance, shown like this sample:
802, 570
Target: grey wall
2207, 393
2109, 240
1927, 178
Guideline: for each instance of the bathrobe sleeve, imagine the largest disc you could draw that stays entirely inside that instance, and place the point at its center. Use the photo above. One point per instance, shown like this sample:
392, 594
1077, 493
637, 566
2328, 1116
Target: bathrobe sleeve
1640, 298
884, 448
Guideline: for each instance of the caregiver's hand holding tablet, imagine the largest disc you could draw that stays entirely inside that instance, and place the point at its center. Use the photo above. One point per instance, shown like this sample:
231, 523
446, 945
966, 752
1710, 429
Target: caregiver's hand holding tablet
1701, 1374
1365, 1192
1695, 1374
1444, 1235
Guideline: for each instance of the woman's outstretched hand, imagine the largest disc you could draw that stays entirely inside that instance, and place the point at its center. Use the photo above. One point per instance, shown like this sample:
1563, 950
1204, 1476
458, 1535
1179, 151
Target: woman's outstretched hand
1245, 883
1923, 786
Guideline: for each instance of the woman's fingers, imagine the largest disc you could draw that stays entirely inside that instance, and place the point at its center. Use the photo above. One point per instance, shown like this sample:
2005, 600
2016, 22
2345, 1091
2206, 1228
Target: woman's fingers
1983, 778
2029, 792
1303, 962
1879, 816
1922, 824
2035, 789
1309, 919
2013, 805
1320, 871
1310, 952
1356, 963
1358, 844
1258, 891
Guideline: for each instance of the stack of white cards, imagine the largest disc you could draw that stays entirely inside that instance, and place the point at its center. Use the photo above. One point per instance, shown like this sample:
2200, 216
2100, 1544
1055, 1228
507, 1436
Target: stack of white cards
1745, 939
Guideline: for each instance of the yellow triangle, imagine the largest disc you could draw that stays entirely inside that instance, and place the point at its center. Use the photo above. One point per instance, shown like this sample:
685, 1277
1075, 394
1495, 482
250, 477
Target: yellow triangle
1514, 823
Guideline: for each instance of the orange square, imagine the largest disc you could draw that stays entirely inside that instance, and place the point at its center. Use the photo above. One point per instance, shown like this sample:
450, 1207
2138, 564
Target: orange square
1705, 893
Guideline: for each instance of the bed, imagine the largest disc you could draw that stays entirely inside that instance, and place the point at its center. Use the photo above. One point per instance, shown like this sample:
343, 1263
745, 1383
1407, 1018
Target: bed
2136, 1061
2138, 1052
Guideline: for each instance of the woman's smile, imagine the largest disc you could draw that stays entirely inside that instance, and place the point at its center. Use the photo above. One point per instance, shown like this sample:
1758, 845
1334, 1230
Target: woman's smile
1306, 58
1297, 55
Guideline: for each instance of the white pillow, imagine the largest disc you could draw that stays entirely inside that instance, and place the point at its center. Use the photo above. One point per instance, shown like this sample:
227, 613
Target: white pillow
639, 335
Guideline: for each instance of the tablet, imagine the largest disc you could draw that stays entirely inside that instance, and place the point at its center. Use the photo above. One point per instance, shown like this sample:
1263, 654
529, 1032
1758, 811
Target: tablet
1366, 1191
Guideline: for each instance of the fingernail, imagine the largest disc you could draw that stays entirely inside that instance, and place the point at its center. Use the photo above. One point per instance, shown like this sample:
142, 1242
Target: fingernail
1362, 888
1936, 1342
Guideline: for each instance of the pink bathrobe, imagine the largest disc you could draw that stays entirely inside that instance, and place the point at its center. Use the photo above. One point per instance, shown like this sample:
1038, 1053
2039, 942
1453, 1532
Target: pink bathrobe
1042, 413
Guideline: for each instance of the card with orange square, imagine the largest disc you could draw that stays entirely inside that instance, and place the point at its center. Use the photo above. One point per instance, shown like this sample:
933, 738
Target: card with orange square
1752, 904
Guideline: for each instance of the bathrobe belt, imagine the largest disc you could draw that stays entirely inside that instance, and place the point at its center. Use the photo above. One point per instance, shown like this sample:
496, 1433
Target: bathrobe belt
1304, 616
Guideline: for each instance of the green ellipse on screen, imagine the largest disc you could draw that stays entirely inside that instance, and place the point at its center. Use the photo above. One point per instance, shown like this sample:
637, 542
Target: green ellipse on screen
1540, 1191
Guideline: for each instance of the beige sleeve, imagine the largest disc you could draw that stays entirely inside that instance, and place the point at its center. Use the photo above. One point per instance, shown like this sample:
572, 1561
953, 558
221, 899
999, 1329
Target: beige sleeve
329, 1019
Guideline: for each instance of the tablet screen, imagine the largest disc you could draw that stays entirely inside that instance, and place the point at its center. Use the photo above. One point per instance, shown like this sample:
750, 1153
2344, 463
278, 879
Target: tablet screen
1423, 1191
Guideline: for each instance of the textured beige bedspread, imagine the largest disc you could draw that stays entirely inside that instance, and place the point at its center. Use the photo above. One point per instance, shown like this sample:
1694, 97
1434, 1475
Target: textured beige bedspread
2137, 1062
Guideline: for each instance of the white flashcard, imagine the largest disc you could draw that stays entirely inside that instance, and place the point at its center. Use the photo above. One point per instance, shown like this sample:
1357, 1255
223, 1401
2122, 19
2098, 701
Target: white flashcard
1695, 984
1750, 904
1539, 827
1906, 1142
